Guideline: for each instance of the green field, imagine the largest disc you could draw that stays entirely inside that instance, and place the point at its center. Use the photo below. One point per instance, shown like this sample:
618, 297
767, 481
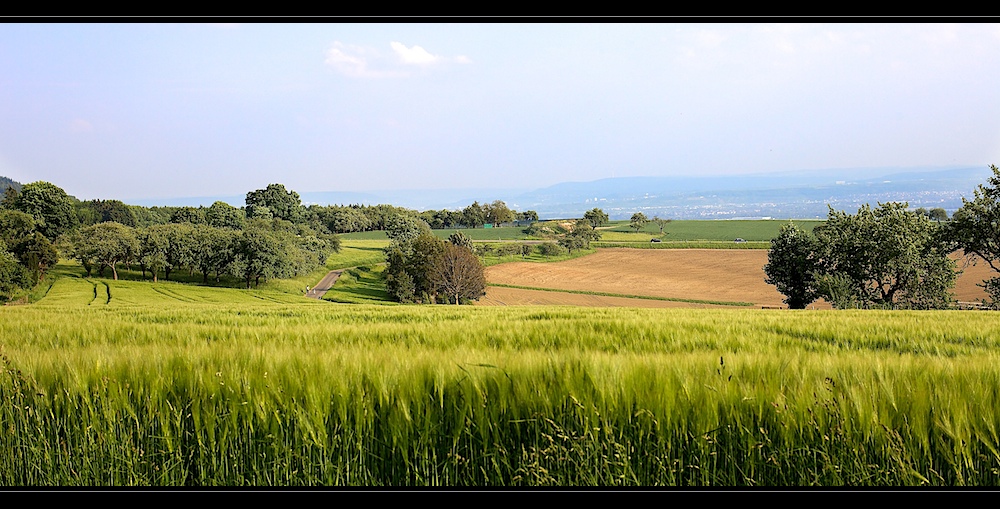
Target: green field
717, 230
133, 383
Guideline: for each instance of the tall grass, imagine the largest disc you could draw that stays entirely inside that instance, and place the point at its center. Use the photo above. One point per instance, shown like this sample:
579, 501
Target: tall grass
149, 389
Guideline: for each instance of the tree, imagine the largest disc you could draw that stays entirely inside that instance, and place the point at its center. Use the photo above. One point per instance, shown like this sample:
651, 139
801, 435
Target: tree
282, 203
527, 216
188, 215
938, 214
403, 228
224, 215
458, 273
975, 229
460, 239
408, 266
15, 225
50, 207
108, 244
792, 266
596, 217
13, 276
638, 221
473, 215
37, 254
498, 213
258, 253
661, 222
153, 244
887, 257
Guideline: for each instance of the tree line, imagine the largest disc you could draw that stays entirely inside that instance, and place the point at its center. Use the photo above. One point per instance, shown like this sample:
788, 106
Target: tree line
888, 257
272, 237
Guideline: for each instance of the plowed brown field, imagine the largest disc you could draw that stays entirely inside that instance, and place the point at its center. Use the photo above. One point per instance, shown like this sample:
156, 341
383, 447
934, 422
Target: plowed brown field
732, 275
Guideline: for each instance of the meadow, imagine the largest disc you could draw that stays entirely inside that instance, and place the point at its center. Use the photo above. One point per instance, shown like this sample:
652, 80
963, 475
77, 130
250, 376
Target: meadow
169, 384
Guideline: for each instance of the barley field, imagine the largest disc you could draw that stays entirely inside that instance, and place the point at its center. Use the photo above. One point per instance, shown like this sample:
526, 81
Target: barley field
109, 383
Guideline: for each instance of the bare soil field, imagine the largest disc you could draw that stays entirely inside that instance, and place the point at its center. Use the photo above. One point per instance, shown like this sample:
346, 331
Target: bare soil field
730, 275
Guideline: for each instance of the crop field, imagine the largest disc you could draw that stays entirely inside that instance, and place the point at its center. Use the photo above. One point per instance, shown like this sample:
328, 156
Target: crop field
703, 275
133, 383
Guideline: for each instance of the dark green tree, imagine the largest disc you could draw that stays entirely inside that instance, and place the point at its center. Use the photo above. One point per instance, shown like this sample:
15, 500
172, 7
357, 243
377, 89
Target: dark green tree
889, 257
50, 207
108, 244
282, 203
975, 229
224, 215
474, 216
792, 265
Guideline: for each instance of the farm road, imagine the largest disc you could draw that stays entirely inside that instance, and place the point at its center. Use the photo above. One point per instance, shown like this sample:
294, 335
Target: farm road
325, 284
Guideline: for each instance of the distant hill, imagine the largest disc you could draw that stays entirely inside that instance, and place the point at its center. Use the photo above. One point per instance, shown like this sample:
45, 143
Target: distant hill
6, 182
800, 194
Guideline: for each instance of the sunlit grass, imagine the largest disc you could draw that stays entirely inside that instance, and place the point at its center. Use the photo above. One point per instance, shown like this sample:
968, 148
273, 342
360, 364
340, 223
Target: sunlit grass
173, 384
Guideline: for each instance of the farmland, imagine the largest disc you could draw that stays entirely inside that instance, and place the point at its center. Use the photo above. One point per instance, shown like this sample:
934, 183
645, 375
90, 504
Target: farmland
134, 383
729, 276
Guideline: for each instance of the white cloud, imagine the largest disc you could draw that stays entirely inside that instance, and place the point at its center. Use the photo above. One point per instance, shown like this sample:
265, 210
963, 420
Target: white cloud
353, 61
367, 62
415, 55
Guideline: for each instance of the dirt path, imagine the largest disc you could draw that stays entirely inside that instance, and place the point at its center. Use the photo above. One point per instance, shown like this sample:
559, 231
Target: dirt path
325, 284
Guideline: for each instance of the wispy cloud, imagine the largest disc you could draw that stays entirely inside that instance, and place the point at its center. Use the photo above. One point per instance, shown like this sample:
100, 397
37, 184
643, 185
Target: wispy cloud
367, 62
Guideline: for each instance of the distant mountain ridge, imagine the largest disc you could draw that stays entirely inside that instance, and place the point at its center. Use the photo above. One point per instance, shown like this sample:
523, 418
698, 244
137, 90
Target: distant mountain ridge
779, 195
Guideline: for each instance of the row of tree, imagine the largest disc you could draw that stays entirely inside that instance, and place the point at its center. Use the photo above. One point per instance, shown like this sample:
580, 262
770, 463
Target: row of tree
887, 257
262, 250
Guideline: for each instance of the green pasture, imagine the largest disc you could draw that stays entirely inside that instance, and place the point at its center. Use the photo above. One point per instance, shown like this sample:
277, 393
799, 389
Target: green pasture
698, 230
108, 383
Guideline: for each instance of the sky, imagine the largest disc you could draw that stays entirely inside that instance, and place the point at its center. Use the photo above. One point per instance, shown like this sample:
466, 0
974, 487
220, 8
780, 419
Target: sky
139, 111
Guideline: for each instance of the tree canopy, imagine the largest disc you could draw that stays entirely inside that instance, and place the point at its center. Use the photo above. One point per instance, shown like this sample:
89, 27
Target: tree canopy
50, 206
975, 229
886, 257
281, 203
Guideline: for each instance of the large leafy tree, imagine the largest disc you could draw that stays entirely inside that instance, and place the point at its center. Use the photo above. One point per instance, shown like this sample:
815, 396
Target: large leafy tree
224, 215
153, 245
474, 215
100, 211
258, 253
108, 244
792, 265
408, 266
282, 204
498, 212
975, 229
50, 207
886, 257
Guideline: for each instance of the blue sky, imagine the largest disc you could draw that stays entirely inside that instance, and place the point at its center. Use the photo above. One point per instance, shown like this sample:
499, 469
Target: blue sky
137, 111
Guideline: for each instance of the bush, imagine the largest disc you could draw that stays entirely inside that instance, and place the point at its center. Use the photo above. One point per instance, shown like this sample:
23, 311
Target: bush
550, 249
